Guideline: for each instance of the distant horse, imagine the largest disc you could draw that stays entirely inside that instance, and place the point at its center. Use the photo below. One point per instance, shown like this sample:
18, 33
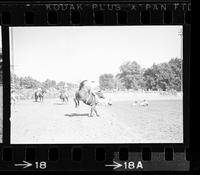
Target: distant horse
64, 97
85, 95
39, 95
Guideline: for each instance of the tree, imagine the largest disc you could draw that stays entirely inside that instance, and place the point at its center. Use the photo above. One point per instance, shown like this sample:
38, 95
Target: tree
60, 85
158, 77
106, 81
118, 84
164, 76
71, 86
149, 79
131, 75
15, 81
49, 84
176, 68
28, 82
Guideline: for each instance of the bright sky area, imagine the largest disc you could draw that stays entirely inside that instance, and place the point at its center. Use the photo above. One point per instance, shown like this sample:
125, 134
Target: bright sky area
74, 54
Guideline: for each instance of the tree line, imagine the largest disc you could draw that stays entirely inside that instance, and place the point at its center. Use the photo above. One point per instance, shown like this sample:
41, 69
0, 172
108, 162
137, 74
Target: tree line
165, 76
30, 83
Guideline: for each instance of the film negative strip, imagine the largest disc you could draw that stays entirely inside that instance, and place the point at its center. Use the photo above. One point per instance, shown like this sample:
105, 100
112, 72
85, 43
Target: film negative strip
95, 85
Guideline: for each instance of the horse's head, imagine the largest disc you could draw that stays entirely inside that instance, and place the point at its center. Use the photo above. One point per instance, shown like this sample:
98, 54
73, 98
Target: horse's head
44, 91
105, 102
100, 94
82, 84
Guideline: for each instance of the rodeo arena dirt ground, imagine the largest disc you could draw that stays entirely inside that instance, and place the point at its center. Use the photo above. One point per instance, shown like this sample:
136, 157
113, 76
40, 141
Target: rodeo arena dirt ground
53, 121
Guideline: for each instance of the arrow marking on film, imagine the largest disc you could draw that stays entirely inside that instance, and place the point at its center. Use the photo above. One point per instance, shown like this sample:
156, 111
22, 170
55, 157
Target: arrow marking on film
115, 165
24, 164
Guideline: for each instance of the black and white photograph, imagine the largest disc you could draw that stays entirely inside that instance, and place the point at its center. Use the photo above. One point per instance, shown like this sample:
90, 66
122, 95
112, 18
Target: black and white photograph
95, 84
1, 91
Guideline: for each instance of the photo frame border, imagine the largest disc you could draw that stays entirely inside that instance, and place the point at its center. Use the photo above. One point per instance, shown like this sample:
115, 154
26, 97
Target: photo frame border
111, 149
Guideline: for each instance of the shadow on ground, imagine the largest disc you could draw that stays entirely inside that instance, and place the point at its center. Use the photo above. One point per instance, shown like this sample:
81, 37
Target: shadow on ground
76, 115
60, 103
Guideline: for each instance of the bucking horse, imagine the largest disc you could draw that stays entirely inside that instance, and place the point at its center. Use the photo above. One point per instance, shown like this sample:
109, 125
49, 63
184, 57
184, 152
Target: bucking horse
88, 97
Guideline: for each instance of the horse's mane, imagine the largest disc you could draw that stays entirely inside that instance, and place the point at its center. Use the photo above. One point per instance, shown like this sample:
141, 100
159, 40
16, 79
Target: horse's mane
82, 84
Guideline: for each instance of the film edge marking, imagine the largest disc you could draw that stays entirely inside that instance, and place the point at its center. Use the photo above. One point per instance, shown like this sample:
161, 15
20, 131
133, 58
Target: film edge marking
127, 165
24, 164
